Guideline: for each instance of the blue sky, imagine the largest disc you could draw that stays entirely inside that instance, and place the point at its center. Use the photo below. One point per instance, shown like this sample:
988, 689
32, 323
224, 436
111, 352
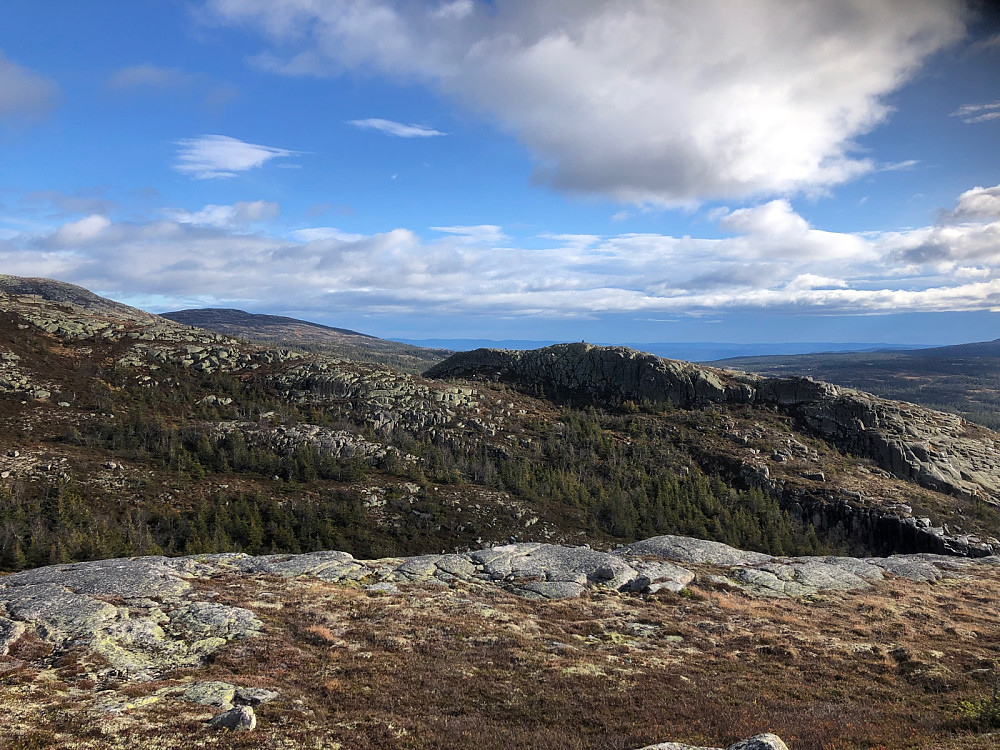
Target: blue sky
637, 171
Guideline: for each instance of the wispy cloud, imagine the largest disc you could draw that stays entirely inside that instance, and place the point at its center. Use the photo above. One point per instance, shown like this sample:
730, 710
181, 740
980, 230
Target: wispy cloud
219, 156
480, 234
149, 77
25, 95
239, 214
396, 129
975, 113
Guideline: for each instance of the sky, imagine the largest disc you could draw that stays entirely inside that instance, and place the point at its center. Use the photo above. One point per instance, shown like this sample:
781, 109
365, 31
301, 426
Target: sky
628, 171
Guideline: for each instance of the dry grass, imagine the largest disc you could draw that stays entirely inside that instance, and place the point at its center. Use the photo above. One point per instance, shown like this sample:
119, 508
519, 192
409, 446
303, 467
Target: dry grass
466, 667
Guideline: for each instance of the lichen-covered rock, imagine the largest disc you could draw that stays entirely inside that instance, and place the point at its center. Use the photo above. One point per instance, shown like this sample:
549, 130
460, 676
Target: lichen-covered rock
687, 549
10, 631
212, 693
129, 578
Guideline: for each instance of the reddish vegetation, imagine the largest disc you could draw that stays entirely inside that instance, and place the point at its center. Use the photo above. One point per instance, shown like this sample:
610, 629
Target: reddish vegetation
461, 667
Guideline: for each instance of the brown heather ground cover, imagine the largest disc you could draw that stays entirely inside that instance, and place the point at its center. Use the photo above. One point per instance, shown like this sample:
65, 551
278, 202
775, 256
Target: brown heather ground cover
476, 667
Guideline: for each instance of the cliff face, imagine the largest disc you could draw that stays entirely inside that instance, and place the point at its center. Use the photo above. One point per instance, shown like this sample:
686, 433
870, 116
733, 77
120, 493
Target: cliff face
938, 451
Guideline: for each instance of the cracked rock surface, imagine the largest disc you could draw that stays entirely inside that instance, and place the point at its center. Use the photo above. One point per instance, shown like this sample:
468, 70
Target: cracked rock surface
144, 615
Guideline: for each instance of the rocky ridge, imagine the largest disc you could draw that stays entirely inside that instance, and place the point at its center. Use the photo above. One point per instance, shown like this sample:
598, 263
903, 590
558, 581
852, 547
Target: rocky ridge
936, 450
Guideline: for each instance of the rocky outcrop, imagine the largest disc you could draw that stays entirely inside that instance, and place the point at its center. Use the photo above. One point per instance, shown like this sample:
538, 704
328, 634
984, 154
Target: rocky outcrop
612, 374
146, 615
936, 450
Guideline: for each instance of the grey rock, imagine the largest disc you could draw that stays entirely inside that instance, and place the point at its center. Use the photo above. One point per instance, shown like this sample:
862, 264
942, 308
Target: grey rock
10, 631
796, 578
211, 620
686, 549
58, 613
551, 590
129, 578
214, 693
659, 576
385, 587
759, 742
239, 718
553, 563
312, 563
912, 567
254, 696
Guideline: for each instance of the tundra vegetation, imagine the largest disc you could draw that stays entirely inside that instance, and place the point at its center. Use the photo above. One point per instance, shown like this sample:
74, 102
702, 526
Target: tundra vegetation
127, 435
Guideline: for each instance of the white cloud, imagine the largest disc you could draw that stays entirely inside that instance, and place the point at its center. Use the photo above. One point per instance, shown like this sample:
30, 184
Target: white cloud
644, 102
397, 129
25, 95
812, 281
240, 214
149, 77
774, 230
82, 232
976, 113
978, 203
219, 156
773, 259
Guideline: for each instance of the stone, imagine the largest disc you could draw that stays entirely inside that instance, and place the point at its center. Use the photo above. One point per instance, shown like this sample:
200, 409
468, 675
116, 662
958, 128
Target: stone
246, 696
796, 578
211, 620
129, 578
554, 563
239, 718
759, 742
10, 631
214, 693
686, 549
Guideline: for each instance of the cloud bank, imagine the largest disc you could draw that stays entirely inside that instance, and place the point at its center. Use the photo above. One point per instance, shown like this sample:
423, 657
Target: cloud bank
642, 101
771, 260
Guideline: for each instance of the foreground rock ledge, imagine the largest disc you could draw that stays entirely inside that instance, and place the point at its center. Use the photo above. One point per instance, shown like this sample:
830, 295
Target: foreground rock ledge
144, 615
759, 742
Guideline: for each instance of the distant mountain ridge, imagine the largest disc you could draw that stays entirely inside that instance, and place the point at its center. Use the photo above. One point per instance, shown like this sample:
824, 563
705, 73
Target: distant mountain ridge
690, 351
960, 378
292, 332
228, 316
